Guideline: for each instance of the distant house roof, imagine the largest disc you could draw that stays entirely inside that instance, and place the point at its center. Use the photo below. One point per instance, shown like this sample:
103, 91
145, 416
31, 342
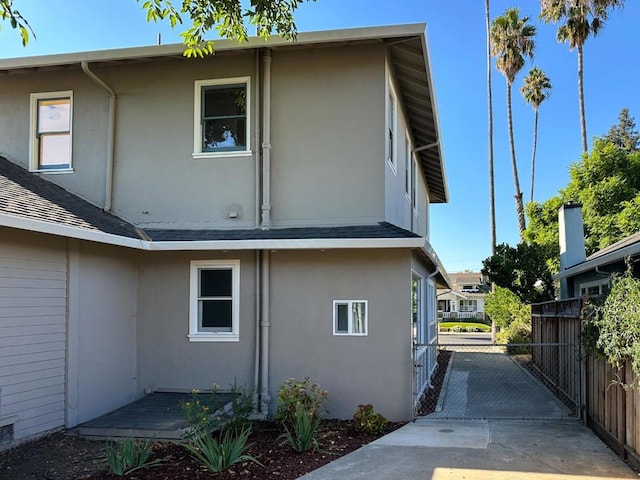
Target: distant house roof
408, 54
628, 246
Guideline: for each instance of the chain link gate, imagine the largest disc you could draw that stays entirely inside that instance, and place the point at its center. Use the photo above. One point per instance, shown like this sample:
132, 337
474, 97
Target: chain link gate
483, 381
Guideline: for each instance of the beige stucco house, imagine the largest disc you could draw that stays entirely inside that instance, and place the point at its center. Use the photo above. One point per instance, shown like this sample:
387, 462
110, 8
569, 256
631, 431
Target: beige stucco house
167, 223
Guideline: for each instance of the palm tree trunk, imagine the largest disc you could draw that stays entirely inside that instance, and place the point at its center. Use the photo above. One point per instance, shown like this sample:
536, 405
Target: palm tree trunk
533, 155
492, 195
514, 167
583, 121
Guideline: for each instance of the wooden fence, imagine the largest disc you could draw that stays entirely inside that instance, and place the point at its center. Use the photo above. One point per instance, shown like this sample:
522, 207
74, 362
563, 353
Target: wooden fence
612, 411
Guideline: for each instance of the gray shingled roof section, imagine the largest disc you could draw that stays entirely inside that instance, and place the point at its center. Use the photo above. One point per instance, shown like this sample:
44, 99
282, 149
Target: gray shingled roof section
24, 194
614, 247
380, 230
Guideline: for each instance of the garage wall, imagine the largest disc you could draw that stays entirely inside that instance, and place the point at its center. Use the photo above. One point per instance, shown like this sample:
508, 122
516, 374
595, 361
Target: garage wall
33, 285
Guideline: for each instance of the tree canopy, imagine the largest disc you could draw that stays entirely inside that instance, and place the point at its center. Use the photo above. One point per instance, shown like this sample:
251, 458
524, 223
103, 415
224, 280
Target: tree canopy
607, 184
227, 17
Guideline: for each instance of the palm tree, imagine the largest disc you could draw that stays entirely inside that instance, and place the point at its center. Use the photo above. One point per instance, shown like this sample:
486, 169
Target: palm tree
492, 191
512, 41
581, 18
536, 89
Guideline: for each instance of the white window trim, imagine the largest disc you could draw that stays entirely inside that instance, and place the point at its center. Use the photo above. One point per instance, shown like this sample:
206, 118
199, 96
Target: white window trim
33, 129
594, 283
349, 333
197, 112
194, 334
408, 166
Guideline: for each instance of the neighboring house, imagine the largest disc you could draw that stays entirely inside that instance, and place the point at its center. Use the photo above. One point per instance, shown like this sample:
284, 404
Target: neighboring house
465, 298
260, 214
590, 276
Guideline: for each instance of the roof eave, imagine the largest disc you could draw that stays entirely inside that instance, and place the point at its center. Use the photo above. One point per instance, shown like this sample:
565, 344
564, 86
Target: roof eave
611, 257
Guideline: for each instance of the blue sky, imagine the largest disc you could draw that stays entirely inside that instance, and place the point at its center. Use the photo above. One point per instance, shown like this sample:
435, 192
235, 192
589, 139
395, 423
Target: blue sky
456, 37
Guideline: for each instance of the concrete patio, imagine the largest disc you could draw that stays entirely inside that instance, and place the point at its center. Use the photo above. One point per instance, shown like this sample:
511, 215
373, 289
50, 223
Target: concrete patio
158, 416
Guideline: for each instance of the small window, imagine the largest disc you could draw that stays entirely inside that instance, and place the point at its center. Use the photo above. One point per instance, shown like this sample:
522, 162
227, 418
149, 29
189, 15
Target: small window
350, 317
468, 306
221, 117
214, 290
407, 165
51, 122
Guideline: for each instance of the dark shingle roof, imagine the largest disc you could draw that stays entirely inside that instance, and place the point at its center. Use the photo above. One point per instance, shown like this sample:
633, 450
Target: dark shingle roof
26, 195
380, 230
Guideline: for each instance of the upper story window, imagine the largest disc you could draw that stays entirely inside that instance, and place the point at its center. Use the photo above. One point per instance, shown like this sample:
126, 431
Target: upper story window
221, 117
50, 132
391, 129
214, 301
407, 166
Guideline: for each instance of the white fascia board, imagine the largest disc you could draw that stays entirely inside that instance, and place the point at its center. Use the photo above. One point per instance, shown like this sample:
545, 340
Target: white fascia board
611, 257
40, 226
288, 244
429, 251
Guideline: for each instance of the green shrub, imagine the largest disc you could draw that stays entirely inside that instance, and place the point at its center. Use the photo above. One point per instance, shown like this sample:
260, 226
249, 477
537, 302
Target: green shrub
294, 394
367, 420
218, 454
300, 433
129, 455
204, 416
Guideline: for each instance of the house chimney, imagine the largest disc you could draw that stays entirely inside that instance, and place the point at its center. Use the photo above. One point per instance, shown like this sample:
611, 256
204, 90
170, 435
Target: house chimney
571, 227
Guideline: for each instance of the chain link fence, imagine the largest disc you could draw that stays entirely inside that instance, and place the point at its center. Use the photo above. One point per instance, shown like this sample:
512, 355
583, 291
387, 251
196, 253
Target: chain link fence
515, 381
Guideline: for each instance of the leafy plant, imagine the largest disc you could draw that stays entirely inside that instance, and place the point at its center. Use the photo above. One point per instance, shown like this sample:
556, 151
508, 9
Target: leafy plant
367, 420
218, 454
616, 322
203, 414
294, 394
129, 455
300, 433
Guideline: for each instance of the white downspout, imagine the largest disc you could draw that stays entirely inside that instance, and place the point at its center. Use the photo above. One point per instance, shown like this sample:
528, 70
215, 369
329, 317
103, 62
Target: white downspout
257, 138
264, 337
108, 193
256, 366
266, 142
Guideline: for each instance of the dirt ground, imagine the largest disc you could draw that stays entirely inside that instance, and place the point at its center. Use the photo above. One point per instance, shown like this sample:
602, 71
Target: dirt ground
64, 456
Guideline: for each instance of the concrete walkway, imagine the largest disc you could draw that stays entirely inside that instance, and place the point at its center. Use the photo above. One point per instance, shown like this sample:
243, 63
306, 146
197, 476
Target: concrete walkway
552, 447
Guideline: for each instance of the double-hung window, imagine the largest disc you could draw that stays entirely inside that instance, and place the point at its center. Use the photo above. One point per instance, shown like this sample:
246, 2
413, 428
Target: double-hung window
51, 125
350, 317
214, 301
221, 117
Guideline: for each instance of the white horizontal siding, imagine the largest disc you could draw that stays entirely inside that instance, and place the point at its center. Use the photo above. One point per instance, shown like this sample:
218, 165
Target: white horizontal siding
33, 305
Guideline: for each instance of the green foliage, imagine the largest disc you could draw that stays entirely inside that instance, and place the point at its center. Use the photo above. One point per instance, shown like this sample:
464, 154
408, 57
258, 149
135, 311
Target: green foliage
295, 394
129, 455
366, 420
16, 20
511, 41
465, 326
624, 135
203, 415
523, 270
300, 433
617, 322
510, 314
226, 17
607, 185
218, 454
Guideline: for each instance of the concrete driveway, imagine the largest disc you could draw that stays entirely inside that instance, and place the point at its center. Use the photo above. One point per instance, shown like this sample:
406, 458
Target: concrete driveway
498, 446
